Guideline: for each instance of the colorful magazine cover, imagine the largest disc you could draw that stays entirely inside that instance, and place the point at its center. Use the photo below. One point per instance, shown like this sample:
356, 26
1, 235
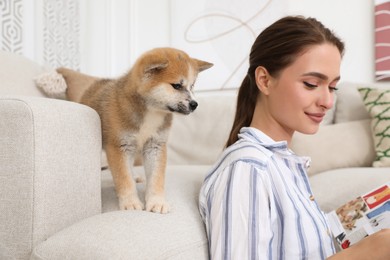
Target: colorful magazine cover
361, 217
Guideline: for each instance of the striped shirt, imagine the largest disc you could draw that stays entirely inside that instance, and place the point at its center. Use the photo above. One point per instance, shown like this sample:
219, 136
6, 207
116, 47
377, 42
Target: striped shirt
256, 203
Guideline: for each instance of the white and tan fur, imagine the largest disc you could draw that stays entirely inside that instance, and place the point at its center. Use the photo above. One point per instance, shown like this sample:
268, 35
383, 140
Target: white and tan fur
136, 114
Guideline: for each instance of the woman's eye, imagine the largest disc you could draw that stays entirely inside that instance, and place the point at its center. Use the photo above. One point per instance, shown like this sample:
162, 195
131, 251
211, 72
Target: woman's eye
176, 86
307, 84
332, 89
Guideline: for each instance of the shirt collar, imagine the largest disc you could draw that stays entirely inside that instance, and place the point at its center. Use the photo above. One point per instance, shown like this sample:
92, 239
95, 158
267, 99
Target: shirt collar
252, 134
255, 135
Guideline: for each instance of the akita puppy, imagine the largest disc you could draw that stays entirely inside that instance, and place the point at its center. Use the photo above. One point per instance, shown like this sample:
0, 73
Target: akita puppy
136, 114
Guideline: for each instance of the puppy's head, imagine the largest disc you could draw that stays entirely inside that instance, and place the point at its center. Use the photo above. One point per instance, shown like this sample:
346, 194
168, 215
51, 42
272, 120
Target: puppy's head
166, 78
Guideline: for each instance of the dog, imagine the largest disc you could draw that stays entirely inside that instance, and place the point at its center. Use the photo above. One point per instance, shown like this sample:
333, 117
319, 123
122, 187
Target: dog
136, 112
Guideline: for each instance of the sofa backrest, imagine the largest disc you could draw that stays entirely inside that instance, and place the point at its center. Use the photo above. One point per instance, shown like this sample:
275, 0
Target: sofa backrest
17, 75
200, 137
344, 139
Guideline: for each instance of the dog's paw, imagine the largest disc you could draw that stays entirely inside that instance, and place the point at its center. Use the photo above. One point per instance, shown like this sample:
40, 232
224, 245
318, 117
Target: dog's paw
130, 203
157, 204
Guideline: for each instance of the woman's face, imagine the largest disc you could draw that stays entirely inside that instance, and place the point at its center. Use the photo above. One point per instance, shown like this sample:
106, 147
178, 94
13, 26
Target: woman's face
304, 91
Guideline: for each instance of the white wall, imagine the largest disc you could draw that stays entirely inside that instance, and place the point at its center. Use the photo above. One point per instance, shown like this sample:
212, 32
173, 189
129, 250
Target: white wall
115, 32
353, 21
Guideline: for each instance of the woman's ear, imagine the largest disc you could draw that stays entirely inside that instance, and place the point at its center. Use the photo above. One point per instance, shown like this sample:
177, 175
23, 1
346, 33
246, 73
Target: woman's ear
262, 79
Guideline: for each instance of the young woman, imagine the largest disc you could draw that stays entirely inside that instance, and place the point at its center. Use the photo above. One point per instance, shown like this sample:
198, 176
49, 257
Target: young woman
256, 202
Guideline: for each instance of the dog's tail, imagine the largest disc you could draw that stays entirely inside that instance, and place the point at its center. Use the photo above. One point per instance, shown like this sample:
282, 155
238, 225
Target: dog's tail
64, 83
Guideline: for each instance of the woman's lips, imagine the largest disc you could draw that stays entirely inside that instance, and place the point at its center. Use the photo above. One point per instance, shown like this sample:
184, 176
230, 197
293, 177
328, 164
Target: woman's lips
316, 117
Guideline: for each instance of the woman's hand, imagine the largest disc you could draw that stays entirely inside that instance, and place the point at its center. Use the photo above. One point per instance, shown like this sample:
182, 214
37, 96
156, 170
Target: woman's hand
375, 246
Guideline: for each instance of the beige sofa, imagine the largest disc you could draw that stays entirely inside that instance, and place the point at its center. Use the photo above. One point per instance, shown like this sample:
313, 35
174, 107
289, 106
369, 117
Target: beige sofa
56, 203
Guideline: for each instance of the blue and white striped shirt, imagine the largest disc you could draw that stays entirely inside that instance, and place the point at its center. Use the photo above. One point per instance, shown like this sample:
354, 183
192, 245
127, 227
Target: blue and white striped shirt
257, 204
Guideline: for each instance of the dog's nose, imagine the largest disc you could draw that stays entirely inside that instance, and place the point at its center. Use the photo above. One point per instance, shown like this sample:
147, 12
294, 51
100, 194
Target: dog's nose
193, 105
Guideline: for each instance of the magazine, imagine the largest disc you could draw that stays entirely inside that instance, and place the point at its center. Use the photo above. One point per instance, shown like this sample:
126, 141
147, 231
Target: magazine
361, 217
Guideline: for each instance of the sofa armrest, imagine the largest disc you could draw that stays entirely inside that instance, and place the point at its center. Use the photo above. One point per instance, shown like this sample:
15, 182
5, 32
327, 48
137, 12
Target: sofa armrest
50, 177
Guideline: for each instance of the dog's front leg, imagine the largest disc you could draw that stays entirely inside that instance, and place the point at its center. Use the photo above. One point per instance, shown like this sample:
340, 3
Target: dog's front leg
155, 157
120, 161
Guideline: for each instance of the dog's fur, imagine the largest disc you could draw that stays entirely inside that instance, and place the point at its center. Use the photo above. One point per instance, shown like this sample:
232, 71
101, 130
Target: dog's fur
136, 115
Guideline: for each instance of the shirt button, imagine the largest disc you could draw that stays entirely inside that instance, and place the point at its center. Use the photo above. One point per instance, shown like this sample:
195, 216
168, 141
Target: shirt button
311, 198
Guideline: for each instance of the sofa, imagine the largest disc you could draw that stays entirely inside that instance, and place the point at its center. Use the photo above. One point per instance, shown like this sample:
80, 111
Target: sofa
56, 202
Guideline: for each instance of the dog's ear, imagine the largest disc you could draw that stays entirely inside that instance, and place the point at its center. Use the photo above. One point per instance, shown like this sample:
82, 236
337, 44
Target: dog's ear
155, 67
203, 65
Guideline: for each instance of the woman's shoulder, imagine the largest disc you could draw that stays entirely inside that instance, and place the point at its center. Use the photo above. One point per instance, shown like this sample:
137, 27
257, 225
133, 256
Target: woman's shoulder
245, 153
244, 148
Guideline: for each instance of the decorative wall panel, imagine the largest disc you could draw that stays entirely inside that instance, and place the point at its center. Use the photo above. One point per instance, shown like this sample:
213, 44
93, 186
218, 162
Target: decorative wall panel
11, 17
61, 33
47, 31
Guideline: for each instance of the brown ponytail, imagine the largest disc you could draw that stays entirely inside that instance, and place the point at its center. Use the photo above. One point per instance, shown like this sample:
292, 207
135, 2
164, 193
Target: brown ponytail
275, 48
247, 96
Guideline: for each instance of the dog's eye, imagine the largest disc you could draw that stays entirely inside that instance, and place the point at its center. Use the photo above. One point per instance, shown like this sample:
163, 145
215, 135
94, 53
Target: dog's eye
177, 86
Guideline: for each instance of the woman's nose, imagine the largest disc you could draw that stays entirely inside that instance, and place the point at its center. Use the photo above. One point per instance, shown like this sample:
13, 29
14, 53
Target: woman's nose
326, 99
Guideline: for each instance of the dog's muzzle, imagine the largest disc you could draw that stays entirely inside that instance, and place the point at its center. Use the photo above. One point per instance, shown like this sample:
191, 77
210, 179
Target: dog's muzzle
184, 108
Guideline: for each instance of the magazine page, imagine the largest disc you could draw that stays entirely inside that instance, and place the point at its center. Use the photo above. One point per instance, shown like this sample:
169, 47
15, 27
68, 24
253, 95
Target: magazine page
361, 217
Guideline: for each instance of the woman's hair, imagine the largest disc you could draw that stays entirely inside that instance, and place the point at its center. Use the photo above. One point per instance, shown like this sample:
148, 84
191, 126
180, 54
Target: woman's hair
275, 49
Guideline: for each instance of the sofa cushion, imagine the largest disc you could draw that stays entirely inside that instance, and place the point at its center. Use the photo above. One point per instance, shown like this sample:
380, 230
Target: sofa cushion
17, 75
349, 105
179, 234
200, 137
377, 103
335, 146
336, 187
